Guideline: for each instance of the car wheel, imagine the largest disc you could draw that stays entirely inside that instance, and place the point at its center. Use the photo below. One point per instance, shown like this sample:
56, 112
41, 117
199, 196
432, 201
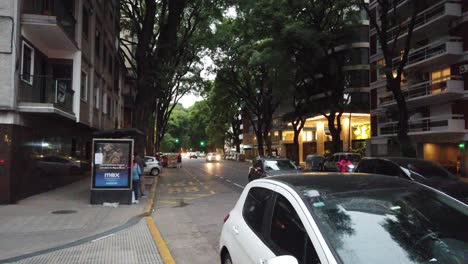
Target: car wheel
227, 258
155, 172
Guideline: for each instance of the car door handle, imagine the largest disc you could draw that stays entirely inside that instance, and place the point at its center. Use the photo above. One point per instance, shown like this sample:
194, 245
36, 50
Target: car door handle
236, 229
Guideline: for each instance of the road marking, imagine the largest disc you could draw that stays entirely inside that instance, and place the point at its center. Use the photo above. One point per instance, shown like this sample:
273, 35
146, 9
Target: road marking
238, 185
228, 180
212, 192
191, 189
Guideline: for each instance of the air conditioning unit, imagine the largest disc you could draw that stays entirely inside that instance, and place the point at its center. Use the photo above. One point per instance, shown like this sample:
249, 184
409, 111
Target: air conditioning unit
463, 68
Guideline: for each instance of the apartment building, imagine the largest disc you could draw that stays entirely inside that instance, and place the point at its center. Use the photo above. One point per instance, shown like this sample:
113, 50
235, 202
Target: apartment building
61, 79
435, 84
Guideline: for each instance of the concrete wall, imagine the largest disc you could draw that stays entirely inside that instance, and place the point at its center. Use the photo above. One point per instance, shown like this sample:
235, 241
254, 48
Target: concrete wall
9, 39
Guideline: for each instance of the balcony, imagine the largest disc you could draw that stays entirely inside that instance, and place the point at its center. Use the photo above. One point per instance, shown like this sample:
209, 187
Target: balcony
425, 93
444, 51
433, 21
427, 125
50, 26
45, 94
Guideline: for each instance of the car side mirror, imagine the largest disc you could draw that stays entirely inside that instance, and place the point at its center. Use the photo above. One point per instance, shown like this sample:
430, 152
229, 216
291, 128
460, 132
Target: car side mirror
286, 259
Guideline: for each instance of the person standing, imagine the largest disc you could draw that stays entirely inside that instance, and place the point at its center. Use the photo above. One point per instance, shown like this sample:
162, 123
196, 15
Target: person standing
141, 162
343, 164
136, 179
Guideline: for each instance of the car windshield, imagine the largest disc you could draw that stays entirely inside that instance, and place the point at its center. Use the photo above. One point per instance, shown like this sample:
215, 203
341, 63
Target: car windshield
392, 226
425, 168
276, 165
353, 157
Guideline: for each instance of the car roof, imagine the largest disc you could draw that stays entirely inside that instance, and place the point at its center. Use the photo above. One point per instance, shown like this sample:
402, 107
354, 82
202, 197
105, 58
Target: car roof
271, 158
341, 182
347, 153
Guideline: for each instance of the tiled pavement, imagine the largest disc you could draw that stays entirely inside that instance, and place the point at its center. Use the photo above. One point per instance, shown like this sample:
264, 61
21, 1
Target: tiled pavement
132, 245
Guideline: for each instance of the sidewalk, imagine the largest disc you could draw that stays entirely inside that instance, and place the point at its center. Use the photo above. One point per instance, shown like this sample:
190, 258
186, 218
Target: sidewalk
75, 237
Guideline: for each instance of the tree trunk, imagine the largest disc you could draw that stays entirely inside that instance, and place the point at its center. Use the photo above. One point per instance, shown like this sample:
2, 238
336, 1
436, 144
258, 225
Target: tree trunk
261, 151
296, 146
405, 142
335, 132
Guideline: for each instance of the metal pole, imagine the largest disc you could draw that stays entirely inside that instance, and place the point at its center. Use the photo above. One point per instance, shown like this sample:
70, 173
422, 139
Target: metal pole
349, 133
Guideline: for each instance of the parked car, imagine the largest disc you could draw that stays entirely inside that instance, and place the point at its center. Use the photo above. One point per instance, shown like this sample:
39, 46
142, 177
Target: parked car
265, 166
349, 219
153, 166
193, 155
329, 164
423, 171
58, 166
313, 162
213, 156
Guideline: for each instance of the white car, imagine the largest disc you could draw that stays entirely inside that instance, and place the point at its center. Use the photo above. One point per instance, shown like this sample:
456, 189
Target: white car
350, 219
153, 166
212, 156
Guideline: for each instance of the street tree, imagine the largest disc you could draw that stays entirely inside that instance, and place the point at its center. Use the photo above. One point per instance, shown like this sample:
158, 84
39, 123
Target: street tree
394, 26
316, 31
161, 45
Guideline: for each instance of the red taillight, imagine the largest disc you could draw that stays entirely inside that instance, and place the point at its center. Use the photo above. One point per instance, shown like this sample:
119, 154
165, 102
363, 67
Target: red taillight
226, 218
2, 161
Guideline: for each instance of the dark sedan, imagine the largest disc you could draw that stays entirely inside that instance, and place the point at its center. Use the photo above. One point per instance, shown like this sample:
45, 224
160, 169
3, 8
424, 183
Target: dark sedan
265, 166
423, 171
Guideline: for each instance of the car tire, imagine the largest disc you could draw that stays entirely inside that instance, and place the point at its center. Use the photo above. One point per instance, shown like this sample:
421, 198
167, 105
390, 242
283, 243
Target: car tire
155, 172
227, 258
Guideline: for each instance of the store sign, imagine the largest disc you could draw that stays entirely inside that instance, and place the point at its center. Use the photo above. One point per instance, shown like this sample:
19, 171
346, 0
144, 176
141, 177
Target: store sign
112, 160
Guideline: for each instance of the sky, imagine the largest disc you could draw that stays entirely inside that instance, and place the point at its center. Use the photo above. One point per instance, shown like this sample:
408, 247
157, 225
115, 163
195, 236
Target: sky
190, 99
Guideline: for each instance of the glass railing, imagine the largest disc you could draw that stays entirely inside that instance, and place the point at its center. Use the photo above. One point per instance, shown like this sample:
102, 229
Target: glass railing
435, 123
431, 50
47, 90
431, 87
55, 8
433, 12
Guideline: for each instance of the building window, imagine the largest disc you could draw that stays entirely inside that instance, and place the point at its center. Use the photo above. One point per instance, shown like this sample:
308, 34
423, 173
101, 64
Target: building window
440, 75
97, 43
84, 86
96, 98
357, 78
85, 22
27, 63
104, 103
109, 106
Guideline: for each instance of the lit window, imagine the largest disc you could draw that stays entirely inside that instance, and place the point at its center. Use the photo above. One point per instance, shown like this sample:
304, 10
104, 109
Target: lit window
440, 75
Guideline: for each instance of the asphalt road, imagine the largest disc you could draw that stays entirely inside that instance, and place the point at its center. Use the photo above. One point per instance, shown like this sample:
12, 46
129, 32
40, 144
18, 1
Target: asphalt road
191, 204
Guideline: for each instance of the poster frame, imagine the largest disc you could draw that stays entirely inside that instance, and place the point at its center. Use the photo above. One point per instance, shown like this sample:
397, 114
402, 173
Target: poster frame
130, 161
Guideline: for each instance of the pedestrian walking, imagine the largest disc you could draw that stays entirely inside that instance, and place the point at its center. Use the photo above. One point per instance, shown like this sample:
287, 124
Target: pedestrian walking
136, 179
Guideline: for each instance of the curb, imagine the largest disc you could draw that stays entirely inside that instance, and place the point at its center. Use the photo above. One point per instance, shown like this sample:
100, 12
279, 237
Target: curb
163, 249
150, 205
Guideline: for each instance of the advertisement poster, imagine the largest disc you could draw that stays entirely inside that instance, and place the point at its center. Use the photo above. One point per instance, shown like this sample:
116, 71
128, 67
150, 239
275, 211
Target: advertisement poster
112, 163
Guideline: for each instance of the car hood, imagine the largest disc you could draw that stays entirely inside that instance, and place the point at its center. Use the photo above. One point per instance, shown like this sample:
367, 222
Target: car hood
456, 188
282, 172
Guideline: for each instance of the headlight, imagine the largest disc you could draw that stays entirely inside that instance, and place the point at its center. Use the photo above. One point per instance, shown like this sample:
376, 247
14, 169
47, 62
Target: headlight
218, 157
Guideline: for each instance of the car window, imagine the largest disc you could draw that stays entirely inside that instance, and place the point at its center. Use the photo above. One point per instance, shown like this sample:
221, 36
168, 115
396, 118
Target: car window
276, 165
387, 168
353, 157
148, 159
288, 235
366, 166
254, 208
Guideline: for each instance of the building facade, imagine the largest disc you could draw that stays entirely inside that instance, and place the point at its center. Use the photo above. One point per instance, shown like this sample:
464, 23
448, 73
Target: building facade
434, 83
61, 79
